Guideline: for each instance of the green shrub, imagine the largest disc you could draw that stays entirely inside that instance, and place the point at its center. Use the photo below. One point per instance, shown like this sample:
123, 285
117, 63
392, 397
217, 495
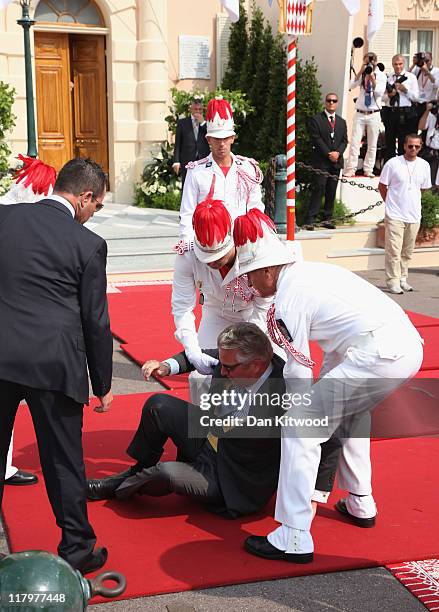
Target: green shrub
6, 183
430, 211
7, 122
159, 182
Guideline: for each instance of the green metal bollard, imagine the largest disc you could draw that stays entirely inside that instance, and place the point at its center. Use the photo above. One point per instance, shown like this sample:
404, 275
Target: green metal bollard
36, 580
280, 194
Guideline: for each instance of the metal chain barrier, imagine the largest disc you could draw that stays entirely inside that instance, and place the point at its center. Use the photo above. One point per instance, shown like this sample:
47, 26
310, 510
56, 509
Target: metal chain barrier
342, 180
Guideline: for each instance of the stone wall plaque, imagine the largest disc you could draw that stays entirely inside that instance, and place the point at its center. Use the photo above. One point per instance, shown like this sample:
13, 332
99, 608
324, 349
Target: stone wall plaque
194, 57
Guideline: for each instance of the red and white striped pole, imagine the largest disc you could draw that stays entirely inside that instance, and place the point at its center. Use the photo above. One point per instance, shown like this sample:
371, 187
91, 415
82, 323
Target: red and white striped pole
291, 137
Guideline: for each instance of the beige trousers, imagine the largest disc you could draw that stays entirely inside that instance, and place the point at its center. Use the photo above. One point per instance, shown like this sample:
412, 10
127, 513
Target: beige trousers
399, 245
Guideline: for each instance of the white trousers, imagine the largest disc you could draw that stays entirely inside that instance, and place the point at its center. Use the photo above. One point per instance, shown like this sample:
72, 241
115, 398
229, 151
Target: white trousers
370, 370
10, 469
370, 123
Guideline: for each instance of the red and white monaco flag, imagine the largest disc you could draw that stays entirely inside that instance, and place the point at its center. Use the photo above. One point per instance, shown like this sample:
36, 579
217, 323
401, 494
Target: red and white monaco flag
232, 7
375, 17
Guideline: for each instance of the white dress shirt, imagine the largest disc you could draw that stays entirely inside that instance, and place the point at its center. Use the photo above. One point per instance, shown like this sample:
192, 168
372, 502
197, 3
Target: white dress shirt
427, 88
375, 94
405, 98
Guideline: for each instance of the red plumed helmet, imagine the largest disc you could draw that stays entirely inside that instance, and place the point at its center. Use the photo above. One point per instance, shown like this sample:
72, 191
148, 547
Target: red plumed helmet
219, 118
35, 173
211, 222
220, 106
250, 227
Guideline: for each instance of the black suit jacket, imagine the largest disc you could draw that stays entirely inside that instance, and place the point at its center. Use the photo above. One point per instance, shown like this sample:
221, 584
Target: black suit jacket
186, 147
53, 304
248, 458
322, 143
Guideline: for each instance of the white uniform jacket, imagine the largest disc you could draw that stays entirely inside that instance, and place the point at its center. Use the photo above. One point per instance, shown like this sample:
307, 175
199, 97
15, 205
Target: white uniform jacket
230, 299
331, 305
240, 190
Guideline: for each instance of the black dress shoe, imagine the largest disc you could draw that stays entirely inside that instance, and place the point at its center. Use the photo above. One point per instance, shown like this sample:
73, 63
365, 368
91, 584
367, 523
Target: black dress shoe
360, 522
21, 478
328, 225
261, 547
95, 561
105, 488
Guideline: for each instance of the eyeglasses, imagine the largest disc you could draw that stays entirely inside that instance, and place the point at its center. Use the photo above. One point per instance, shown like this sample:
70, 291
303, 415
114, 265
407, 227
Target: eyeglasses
230, 368
331, 101
414, 146
99, 204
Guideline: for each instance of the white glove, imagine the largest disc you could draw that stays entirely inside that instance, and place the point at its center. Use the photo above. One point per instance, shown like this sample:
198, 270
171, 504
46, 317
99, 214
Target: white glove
203, 363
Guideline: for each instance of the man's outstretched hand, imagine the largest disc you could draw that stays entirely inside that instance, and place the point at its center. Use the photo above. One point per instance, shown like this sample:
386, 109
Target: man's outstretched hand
152, 366
105, 402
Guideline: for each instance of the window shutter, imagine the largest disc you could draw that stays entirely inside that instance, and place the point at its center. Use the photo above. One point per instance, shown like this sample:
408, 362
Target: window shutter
222, 42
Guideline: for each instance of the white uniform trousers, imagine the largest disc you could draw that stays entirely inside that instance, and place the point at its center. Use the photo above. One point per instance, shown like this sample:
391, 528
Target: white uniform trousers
211, 325
370, 123
368, 373
10, 469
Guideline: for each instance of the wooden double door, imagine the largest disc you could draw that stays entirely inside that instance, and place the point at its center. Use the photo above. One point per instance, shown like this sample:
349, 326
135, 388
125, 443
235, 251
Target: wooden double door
71, 94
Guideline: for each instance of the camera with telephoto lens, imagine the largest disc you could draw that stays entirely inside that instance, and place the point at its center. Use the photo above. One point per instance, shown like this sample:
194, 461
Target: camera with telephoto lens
434, 107
420, 59
369, 67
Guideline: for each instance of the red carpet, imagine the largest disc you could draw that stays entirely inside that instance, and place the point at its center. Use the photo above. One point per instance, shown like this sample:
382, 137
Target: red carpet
170, 544
142, 320
421, 578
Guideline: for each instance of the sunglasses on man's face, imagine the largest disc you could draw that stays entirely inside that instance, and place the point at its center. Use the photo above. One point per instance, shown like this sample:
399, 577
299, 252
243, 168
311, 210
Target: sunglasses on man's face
414, 146
331, 101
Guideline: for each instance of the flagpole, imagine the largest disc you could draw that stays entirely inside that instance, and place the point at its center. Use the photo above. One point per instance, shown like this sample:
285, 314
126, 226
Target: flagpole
291, 136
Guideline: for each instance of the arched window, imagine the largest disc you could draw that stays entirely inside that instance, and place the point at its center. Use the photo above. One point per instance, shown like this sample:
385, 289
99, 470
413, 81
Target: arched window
77, 12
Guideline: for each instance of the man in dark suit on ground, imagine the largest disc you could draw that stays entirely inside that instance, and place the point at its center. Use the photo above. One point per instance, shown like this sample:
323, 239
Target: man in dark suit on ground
229, 467
190, 139
54, 321
329, 139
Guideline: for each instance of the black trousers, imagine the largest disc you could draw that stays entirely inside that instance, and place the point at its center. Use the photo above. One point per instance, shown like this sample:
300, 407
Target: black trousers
194, 473
57, 422
323, 186
163, 417
398, 122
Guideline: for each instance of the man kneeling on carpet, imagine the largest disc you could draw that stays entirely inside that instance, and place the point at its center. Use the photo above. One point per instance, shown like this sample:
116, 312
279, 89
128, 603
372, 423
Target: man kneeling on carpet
230, 466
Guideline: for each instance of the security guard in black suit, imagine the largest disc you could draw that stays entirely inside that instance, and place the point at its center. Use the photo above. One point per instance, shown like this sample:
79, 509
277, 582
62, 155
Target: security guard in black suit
54, 322
329, 139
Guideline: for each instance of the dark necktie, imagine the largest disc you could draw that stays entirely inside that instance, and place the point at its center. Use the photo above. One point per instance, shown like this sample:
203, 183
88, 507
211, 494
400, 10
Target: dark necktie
332, 122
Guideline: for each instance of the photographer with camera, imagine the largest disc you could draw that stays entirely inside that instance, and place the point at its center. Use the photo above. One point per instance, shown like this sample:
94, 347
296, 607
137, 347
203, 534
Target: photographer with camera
430, 152
428, 78
399, 114
372, 83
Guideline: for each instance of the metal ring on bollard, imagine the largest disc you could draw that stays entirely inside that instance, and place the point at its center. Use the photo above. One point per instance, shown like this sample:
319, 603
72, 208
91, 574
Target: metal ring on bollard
98, 588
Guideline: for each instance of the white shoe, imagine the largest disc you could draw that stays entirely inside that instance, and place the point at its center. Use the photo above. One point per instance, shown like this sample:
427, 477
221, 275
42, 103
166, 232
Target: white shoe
349, 175
394, 288
369, 174
404, 285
